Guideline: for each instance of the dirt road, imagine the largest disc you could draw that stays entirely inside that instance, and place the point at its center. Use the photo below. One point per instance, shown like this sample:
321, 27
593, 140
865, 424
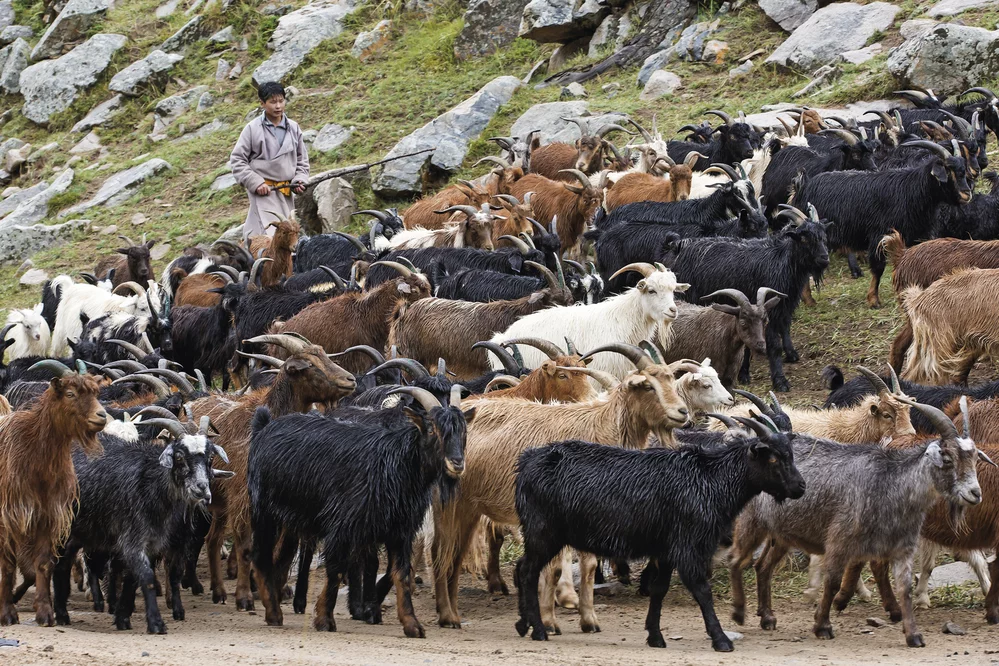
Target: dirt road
219, 634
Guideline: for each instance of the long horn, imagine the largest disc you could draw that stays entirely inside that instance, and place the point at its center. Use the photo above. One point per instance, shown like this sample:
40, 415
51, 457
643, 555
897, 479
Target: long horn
127, 366
962, 125
456, 390
981, 91
174, 427
730, 423
263, 358
504, 142
255, 270
723, 168
721, 114
57, 368
506, 358
692, 158
288, 342
158, 386
405, 272
225, 275
498, 380
645, 269
584, 127
896, 388
520, 244
966, 418
527, 239
134, 350
371, 352
579, 175
878, 383
202, 384
415, 368
849, 138
758, 428
337, 280
636, 355
611, 127
792, 213
6, 330
499, 161
470, 211
578, 267
787, 128
381, 216
943, 425
186, 388
928, 145
605, 379
509, 198
885, 118
569, 347
548, 275
755, 399
157, 411
734, 294
651, 350
539, 228
548, 348
763, 292
135, 287
422, 396
127, 239
645, 134
353, 240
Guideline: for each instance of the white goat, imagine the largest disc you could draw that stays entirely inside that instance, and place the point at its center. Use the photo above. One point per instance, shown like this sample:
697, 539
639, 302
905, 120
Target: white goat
83, 299
702, 391
29, 332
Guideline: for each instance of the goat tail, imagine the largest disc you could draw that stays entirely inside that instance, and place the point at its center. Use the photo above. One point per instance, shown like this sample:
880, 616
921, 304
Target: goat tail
832, 377
261, 417
893, 247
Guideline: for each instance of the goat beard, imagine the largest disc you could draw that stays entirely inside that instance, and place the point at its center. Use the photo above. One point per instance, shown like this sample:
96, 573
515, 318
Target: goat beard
91, 446
665, 437
956, 516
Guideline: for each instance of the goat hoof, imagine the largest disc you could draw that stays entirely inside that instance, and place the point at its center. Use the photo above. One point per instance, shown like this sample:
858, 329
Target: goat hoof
554, 629
219, 597
197, 589
769, 623
44, 618
915, 640
781, 385
840, 603
298, 607
894, 614
521, 627
156, 627
739, 616
922, 602
824, 632
791, 357
244, 604
62, 618
372, 614
499, 588
539, 634
722, 645
122, 623
99, 607
992, 617
449, 624
811, 595
178, 614
589, 627
324, 624
655, 640
413, 630
9, 616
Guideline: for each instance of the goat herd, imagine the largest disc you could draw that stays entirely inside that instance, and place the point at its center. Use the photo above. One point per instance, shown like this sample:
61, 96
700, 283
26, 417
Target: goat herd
463, 368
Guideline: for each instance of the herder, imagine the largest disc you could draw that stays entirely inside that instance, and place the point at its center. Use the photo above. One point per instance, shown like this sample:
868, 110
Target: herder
271, 162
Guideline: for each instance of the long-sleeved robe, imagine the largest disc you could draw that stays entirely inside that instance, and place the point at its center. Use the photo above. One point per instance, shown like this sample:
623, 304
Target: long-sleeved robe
257, 157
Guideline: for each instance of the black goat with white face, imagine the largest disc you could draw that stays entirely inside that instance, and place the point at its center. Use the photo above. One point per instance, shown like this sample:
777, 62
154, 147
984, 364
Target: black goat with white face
133, 501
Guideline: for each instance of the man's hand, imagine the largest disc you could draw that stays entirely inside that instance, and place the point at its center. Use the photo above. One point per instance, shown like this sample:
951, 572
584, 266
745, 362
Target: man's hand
298, 187
263, 190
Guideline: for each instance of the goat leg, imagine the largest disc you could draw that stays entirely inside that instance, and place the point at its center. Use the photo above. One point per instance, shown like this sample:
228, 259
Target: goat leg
546, 598
903, 584
888, 600
658, 575
833, 571
774, 349
565, 590
175, 572
43, 564
851, 260
216, 535
587, 572
401, 571
125, 605
744, 377
848, 586
305, 553
96, 564
790, 353
876, 260
771, 557
142, 573
374, 593
806, 295
61, 584
992, 598
326, 603
493, 576
927, 561
265, 532
696, 579
78, 577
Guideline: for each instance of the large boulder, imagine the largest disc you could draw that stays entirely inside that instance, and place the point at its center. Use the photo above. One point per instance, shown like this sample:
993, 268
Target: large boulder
14, 200
51, 86
489, 26
661, 84
299, 33
547, 119
132, 80
789, 14
948, 58
6, 13
72, 24
327, 207
832, 30
15, 62
19, 242
952, 7
449, 134
188, 33
35, 208
561, 20
120, 186
100, 114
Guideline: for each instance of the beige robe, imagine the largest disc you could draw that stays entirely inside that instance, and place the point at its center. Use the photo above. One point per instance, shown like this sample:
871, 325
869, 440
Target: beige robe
257, 157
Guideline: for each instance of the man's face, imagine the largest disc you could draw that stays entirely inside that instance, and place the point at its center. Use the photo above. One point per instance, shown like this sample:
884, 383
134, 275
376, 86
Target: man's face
274, 107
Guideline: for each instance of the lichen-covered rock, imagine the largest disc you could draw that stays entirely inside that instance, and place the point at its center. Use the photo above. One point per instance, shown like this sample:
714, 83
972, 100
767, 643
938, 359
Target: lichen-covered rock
6, 13
100, 114
222, 69
547, 118
829, 32
15, 62
335, 202
132, 80
331, 137
120, 186
35, 208
71, 25
188, 33
561, 20
19, 242
948, 58
952, 7
449, 134
226, 35
661, 84
789, 14
88, 144
13, 32
299, 33
489, 25
50, 86
371, 42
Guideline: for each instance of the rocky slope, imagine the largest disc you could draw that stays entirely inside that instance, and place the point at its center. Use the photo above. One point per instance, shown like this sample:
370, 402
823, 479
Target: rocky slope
118, 117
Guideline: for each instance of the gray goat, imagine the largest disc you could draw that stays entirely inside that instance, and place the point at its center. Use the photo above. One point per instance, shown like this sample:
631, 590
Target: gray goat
863, 502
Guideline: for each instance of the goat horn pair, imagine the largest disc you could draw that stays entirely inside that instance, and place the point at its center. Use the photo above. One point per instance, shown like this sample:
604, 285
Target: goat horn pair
174, 427
510, 364
765, 409
928, 145
763, 292
134, 350
501, 380
467, 210
157, 411
638, 356
734, 294
642, 267
724, 169
158, 386
178, 380
403, 270
605, 379
523, 247
691, 159
550, 278
291, 343
578, 267
134, 287
548, 348
415, 368
504, 142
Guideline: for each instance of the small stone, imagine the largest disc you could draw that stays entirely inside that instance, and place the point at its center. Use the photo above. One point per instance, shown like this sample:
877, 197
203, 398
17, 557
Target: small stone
875, 622
107, 231
33, 278
612, 589
222, 70
138, 219
87, 144
309, 135
661, 84
223, 182
237, 69
47, 648
159, 251
13, 189
676, 638
953, 629
206, 100
574, 89
145, 654
742, 70
223, 36
611, 87
734, 635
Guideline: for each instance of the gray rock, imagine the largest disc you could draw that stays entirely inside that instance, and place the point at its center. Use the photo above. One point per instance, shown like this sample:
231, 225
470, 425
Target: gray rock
120, 186
449, 133
203, 131
953, 629
855, 110
51, 86
205, 101
832, 30
566, 52
789, 14
691, 45
12, 32
71, 25
6, 14
863, 55
18, 242
556, 21
170, 108
547, 119
132, 80
715, 51
274, 10
655, 61
226, 35
15, 159
309, 135
876, 622
13, 143
237, 69
371, 42
742, 70
33, 278
331, 137
188, 33
661, 84
955, 573
159, 251
100, 114
952, 7
915, 27
298, 33
234, 234
41, 152
16, 199
138, 219
734, 635
489, 25
948, 58
34, 209
17, 61
88, 144
574, 89
167, 9
335, 201
222, 70
223, 182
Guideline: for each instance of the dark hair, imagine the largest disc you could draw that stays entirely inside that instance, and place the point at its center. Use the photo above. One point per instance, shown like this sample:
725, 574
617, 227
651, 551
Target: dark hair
269, 89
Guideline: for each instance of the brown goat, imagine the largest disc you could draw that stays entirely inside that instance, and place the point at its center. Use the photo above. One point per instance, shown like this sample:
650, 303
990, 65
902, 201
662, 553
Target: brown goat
193, 290
130, 264
809, 120
306, 377
475, 231
38, 482
279, 249
635, 187
500, 179
440, 328
573, 205
587, 154
353, 318
924, 264
423, 213
514, 219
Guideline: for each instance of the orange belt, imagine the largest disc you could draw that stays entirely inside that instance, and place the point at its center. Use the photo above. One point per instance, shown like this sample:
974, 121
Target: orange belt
284, 186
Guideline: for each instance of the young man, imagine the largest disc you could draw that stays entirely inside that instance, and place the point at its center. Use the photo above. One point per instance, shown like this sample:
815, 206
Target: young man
271, 162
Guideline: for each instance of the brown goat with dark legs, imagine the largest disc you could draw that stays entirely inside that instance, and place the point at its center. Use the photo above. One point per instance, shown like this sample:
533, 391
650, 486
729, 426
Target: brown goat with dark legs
635, 187
307, 376
423, 213
514, 219
38, 482
924, 264
573, 205
130, 264
356, 318
440, 328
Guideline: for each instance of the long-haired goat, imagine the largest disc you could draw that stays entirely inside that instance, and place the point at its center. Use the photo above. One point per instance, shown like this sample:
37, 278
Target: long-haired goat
27, 332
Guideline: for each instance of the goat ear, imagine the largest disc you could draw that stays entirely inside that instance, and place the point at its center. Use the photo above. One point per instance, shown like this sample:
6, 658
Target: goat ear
681, 287
760, 449
874, 410
166, 458
517, 262
295, 365
122, 250
469, 414
642, 285
727, 309
771, 304
150, 244
939, 170
935, 455
56, 384
416, 418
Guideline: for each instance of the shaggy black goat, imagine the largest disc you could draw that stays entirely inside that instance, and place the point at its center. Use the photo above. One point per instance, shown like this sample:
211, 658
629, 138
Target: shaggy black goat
977, 220
733, 143
146, 333
482, 286
575, 494
439, 261
202, 337
864, 206
356, 485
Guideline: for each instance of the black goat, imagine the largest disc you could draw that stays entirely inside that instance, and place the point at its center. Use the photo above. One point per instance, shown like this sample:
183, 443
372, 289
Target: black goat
864, 206
202, 336
145, 333
694, 495
734, 142
977, 220
437, 262
356, 485
930, 107
783, 262
482, 286
133, 500
316, 279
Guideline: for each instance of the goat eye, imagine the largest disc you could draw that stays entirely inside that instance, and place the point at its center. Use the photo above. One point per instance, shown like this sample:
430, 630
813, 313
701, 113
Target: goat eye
773, 460
651, 291
563, 376
70, 394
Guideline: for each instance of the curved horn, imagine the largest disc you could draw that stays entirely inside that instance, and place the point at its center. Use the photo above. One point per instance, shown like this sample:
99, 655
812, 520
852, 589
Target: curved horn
962, 125
578, 267
723, 168
896, 388
878, 383
337, 280
510, 364
504, 142
928, 145
202, 384
292, 344
57, 368
943, 425
721, 114
6, 330
755, 399
795, 215
981, 91
728, 421
527, 239
734, 294
520, 244
651, 350
885, 118
371, 352
849, 138
415, 368
498, 380
134, 350
605, 379
763, 292
174, 427
353, 240
405, 272
158, 386
178, 380
255, 269
509, 198
787, 128
263, 358
126, 239
127, 366
570, 348
422, 396
456, 390
580, 176
381, 216
225, 275
692, 158
547, 274
645, 134
758, 428
611, 127
539, 228
548, 348
499, 161
639, 267
134, 286
470, 211
157, 411
584, 127
638, 356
